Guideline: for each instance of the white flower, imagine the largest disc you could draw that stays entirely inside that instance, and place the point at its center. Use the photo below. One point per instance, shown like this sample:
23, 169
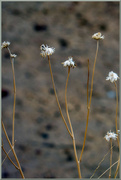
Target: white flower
46, 51
5, 44
98, 36
69, 62
110, 135
13, 55
112, 76
118, 131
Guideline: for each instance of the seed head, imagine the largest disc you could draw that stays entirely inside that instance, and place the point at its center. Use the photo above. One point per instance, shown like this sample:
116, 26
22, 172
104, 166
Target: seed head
5, 44
46, 51
110, 135
112, 76
69, 62
98, 36
13, 55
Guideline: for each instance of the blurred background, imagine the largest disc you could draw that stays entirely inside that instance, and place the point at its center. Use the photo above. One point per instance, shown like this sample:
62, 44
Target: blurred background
43, 145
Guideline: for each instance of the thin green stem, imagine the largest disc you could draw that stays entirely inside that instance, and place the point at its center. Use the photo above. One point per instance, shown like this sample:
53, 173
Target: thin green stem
74, 143
57, 98
89, 104
13, 150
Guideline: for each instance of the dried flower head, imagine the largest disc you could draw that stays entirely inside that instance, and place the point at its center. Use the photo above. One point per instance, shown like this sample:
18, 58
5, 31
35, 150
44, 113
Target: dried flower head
13, 55
46, 51
69, 62
110, 135
98, 36
112, 76
5, 44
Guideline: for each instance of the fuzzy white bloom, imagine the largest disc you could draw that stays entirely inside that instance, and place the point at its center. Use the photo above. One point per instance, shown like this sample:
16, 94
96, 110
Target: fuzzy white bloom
5, 44
13, 55
69, 62
112, 76
46, 51
118, 131
110, 135
98, 36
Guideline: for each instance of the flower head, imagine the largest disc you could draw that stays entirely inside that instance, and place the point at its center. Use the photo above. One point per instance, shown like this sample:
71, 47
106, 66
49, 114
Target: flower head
110, 135
98, 36
46, 51
112, 76
69, 62
5, 44
13, 55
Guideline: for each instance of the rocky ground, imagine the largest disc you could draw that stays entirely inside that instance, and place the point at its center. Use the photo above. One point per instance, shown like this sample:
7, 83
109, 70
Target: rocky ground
43, 145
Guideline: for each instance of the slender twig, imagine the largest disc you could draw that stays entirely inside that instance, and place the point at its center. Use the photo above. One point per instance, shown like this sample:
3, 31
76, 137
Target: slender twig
88, 111
9, 157
110, 159
74, 143
66, 102
57, 97
88, 84
116, 113
100, 163
13, 150
117, 169
14, 87
12, 62
108, 169
5, 157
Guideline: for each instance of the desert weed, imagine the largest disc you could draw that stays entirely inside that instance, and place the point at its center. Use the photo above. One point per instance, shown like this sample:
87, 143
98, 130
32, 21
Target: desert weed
70, 65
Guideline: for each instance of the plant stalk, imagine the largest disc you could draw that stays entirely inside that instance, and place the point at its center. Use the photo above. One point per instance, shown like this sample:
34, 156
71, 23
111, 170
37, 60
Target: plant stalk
57, 98
13, 150
89, 104
74, 143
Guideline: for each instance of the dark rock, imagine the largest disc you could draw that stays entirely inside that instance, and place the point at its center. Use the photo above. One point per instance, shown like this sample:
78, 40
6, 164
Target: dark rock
49, 127
40, 27
5, 93
63, 42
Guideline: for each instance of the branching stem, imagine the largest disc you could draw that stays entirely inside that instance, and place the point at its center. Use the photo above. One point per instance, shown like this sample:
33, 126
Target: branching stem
74, 143
57, 98
13, 150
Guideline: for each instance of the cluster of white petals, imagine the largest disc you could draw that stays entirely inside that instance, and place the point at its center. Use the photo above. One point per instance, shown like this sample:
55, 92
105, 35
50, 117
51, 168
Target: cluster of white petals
69, 63
110, 135
112, 76
13, 55
46, 51
98, 36
5, 44
118, 131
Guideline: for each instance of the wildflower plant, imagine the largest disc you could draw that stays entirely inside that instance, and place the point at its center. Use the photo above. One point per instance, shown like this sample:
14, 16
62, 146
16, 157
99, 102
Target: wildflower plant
11, 144
47, 51
69, 63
